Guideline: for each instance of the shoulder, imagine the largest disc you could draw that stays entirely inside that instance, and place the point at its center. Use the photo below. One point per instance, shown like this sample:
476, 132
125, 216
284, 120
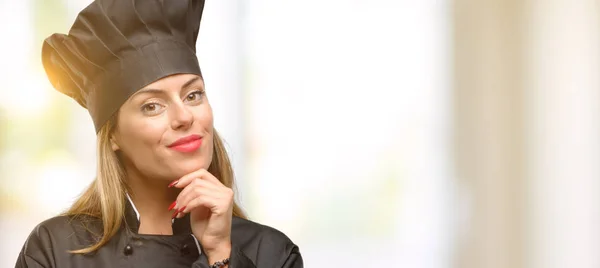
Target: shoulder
45, 231
252, 230
255, 239
60, 232
61, 226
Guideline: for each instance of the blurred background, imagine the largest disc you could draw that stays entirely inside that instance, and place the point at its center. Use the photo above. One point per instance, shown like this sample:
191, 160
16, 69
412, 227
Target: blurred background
431, 133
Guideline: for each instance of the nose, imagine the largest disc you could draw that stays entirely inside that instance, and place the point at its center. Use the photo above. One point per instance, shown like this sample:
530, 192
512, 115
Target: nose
181, 116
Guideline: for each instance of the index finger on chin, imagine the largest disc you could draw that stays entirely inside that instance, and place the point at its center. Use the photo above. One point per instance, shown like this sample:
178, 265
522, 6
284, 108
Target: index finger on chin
187, 179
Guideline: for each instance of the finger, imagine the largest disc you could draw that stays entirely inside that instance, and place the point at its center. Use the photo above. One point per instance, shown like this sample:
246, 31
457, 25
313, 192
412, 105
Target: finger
183, 201
217, 206
198, 174
222, 199
188, 178
210, 177
205, 175
194, 188
188, 192
202, 200
224, 195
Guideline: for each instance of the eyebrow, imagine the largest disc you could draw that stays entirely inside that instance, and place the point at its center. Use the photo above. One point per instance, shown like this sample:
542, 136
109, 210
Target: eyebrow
190, 82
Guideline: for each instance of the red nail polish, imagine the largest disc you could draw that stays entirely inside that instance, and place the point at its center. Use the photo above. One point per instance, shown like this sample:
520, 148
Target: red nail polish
173, 183
181, 209
175, 214
172, 205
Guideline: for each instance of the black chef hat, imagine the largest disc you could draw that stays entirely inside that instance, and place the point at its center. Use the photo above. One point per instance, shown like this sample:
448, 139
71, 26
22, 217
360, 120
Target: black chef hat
116, 47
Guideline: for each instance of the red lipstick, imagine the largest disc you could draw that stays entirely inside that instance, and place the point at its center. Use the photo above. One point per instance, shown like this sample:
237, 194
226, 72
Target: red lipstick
187, 144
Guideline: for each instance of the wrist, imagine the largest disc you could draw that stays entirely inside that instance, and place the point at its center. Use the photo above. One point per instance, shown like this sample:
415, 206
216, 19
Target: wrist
218, 253
220, 264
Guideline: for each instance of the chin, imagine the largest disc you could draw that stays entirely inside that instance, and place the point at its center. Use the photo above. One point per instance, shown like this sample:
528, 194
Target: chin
186, 168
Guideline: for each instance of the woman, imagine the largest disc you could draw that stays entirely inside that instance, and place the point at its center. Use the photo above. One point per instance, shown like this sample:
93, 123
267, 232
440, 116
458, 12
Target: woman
163, 193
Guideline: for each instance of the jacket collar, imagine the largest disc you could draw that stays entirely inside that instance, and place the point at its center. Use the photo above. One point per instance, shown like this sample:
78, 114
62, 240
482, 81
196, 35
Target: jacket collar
132, 220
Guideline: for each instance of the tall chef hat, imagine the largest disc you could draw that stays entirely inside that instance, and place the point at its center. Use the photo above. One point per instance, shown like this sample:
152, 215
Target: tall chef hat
116, 47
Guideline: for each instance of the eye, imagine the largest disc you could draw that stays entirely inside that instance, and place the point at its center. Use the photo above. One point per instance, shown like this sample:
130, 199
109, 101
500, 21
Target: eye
194, 96
151, 108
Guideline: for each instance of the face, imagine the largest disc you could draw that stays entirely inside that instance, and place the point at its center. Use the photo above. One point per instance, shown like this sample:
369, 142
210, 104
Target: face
165, 130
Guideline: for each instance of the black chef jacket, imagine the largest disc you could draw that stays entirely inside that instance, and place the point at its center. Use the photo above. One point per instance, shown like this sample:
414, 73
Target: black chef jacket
253, 245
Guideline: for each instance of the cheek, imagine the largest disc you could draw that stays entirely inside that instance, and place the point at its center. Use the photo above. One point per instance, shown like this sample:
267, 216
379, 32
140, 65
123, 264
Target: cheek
139, 136
205, 118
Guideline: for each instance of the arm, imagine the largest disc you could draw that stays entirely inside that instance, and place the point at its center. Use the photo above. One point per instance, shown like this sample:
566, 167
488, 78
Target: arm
236, 260
294, 260
239, 260
25, 261
37, 251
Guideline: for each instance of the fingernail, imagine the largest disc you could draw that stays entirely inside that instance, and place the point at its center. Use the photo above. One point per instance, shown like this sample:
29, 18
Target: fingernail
172, 205
173, 183
181, 209
177, 212
180, 212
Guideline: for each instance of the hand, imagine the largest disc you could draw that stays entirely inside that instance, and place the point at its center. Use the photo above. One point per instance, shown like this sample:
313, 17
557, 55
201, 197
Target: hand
210, 204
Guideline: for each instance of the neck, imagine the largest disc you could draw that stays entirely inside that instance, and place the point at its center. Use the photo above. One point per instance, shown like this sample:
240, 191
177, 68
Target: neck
151, 198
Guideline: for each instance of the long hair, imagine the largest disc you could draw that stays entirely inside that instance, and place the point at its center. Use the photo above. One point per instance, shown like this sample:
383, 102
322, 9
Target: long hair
104, 198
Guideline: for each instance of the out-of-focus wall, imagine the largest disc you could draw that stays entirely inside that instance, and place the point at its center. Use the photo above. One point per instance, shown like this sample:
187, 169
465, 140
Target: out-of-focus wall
527, 133
489, 136
563, 127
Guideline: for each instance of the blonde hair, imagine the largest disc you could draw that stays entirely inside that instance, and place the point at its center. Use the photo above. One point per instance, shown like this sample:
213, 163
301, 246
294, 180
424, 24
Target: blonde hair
105, 198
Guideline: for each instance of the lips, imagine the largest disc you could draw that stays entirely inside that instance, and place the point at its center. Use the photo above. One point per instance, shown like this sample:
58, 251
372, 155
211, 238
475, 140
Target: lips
187, 144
